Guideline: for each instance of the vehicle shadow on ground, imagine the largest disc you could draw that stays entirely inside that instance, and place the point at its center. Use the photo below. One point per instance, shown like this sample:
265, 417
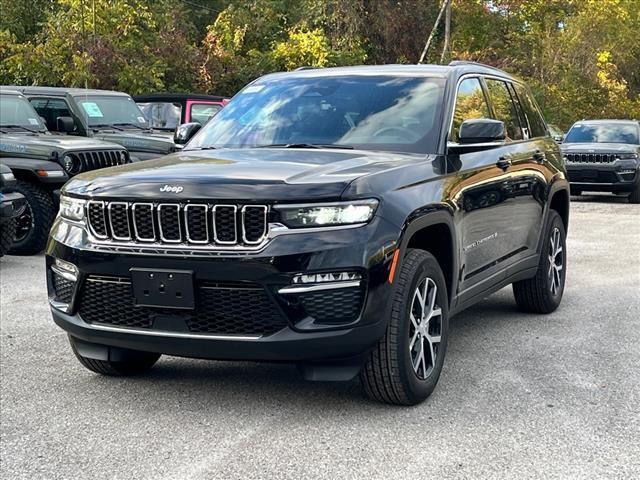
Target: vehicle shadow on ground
173, 379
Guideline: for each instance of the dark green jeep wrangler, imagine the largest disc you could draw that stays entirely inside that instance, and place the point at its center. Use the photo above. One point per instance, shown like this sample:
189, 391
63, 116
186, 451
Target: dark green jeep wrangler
42, 163
102, 114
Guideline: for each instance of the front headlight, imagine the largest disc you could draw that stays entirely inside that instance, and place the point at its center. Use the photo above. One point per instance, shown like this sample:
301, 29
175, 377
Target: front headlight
330, 214
71, 164
628, 156
72, 208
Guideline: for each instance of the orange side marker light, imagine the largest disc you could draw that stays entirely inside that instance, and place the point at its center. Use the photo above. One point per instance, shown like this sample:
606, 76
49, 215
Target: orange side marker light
394, 263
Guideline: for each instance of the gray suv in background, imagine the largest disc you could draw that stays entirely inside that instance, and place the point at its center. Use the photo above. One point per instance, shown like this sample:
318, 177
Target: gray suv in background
604, 156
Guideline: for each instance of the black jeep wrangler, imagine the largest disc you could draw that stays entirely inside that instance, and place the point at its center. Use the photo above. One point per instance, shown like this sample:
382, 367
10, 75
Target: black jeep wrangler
604, 156
101, 114
334, 218
42, 163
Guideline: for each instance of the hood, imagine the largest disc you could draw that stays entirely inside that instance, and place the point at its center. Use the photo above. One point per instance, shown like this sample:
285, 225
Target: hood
139, 141
263, 174
59, 142
599, 148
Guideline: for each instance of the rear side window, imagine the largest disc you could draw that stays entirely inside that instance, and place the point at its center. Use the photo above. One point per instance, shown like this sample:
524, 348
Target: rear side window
202, 112
503, 107
50, 109
537, 127
470, 104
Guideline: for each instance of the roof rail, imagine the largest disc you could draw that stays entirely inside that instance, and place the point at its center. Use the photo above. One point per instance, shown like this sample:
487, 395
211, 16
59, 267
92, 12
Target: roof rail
305, 67
455, 63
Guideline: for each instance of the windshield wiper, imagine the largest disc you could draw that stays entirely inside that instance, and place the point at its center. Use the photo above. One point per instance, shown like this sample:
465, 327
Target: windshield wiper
106, 125
200, 148
129, 125
19, 126
306, 145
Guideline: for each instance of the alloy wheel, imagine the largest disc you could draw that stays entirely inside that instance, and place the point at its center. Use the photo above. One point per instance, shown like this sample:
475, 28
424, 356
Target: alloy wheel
425, 329
24, 224
556, 261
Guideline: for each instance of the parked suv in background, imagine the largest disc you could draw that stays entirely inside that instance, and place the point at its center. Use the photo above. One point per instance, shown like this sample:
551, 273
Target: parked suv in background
604, 156
167, 111
334, 218
42, 163
101, 114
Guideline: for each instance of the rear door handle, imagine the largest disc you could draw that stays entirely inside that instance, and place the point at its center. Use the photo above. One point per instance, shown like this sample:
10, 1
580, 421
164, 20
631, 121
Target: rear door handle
504, 163
539, 156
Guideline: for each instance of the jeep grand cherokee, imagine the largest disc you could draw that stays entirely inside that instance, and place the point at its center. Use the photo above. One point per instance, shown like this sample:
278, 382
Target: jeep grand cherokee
333, 218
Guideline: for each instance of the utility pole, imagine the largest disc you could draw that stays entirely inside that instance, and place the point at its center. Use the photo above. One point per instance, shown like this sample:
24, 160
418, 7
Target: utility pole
447, 31
433, 31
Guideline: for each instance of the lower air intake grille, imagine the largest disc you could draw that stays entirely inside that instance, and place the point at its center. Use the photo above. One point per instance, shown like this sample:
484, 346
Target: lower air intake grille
63, 288
333, 306
220, 309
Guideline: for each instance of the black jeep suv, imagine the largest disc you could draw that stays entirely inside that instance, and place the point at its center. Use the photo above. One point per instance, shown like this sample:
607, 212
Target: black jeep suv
333, 218
604, 156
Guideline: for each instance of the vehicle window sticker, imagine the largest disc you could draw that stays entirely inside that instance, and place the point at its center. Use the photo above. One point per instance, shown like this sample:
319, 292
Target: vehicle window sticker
142, 119
34, 121
92, 109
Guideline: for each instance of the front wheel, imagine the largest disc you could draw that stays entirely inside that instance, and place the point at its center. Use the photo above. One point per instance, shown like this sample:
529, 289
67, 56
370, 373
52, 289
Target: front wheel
135, 363
543, 293
404, 367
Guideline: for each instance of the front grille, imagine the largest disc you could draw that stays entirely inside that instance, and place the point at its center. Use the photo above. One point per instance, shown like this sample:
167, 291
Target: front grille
591, 157
220, 309
95, 159
63, 288
175, 223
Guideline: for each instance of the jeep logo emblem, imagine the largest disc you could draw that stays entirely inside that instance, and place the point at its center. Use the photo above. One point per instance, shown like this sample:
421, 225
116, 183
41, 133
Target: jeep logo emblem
172, 189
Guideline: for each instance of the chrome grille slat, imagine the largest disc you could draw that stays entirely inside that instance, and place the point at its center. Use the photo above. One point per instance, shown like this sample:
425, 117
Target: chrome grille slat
196, 224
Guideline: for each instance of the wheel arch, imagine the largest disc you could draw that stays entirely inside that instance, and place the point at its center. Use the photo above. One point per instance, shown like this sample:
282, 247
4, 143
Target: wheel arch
434, 232
559, 201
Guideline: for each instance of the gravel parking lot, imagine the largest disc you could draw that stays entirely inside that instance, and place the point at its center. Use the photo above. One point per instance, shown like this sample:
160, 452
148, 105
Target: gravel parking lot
521, 396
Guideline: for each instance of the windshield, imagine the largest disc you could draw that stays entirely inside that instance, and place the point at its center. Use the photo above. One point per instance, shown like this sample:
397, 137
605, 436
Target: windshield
603, 133
366, 112
111, 110
162, 115
17, 111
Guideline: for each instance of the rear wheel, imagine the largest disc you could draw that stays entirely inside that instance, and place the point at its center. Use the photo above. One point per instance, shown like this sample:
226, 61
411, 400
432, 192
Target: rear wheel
136, 363
405, 366
33, 225
543, 293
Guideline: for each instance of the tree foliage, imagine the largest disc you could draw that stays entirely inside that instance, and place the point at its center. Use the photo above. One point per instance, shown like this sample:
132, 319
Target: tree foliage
581, 57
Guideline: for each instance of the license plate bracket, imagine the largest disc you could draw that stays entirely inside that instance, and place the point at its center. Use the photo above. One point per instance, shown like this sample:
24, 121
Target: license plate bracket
163, 288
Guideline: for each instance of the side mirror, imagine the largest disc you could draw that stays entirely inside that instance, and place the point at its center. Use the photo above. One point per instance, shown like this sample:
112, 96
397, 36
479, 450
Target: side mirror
481, 130
558, 138
185, 132
65, 124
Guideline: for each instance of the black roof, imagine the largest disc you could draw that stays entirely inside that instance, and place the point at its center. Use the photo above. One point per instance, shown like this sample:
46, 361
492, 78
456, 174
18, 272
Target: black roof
177, 97
455, 68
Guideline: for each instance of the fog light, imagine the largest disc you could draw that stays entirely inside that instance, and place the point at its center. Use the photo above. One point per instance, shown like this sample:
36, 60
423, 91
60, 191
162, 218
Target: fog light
66, 269
626, 172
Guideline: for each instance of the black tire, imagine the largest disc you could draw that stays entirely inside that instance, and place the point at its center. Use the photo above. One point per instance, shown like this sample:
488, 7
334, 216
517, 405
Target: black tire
388, 375
537, 294
7, 232
136, 363
32, 227
634, 197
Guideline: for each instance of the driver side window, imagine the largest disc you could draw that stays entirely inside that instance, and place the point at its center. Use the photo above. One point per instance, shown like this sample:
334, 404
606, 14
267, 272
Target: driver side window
470, 104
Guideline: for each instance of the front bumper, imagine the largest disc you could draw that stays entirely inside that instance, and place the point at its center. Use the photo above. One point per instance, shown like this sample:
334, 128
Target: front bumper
325, 334
620, 176
11, 205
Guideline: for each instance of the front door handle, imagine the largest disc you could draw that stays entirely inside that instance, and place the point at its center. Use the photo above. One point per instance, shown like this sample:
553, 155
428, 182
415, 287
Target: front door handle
504, 163
539, 156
